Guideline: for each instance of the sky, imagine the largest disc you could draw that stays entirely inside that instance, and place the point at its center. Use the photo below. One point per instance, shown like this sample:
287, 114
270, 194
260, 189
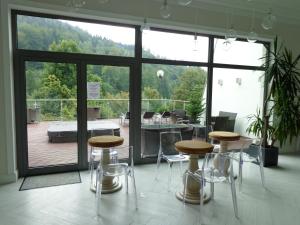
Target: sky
171, 46
178, 46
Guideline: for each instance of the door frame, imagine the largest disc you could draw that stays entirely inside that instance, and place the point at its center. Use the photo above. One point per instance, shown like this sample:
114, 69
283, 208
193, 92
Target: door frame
80, 61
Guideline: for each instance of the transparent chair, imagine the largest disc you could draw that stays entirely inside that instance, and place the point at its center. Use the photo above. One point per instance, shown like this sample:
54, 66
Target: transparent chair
250, 154
116, 170
95, 154
167, 152
216, 168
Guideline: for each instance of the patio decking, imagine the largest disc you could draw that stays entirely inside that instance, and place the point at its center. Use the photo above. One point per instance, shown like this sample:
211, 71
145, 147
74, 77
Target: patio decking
43, 153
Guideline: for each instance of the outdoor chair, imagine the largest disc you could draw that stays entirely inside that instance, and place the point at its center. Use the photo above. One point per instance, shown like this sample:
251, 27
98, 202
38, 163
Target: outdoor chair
124, 117
148, 116
214, 170
179, 116
167, 152
165, 115
116, 170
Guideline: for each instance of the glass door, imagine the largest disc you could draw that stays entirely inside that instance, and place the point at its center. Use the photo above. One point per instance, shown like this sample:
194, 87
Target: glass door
108, 102
51, 115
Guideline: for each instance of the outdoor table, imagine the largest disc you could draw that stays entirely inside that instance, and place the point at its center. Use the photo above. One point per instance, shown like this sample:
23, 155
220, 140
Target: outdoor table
194, 148
105, 142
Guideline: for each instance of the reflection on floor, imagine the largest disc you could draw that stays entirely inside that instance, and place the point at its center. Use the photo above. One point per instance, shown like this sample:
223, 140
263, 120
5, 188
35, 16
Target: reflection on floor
279, 204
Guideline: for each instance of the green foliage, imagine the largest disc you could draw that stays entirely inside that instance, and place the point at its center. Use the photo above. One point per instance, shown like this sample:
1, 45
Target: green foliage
53, 89
283, 79
257, 125
195, 107
191, 87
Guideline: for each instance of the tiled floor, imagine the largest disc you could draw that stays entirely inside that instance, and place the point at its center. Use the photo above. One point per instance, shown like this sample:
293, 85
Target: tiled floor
278, 204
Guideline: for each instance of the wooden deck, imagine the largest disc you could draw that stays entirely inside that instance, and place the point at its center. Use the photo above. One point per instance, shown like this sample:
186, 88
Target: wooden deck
43, 153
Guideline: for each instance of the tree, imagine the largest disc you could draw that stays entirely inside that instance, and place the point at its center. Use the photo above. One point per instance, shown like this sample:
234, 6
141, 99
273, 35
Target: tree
190, 87
65, 72
52, 88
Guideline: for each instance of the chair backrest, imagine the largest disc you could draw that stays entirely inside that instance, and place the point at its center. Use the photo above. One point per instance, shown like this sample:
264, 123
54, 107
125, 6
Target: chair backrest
167, 142
219, 123
166, 114
148, 115
179, 113
117, 169
187, 134
252, 150
231, 115
127, 115
217, 167
231, 120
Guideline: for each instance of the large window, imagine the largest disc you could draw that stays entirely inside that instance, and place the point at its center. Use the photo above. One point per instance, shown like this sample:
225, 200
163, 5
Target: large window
165, 45
181, 85
239, 53
55, 35
239, 92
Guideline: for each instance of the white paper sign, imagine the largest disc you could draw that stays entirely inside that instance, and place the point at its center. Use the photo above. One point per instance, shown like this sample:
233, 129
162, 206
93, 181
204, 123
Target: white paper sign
93, 90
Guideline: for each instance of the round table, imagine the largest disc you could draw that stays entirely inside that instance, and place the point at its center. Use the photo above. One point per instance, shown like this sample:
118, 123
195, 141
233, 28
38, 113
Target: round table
224, 137
105, 142
194, 148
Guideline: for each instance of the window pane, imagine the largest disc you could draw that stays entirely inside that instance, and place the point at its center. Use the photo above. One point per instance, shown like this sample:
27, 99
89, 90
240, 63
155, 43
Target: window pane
51, 101
178, 90
36, 33
239, 53
163, 45
239, 92
108, 102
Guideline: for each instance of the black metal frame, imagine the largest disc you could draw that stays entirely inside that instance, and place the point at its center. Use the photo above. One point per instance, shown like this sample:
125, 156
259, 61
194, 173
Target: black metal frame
82, 60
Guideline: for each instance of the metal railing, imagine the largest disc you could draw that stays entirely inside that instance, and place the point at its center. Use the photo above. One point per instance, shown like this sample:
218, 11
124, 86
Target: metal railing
53, 109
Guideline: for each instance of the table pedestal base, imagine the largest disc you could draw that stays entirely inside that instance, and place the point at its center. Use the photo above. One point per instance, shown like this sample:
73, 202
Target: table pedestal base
192, 198
109, 185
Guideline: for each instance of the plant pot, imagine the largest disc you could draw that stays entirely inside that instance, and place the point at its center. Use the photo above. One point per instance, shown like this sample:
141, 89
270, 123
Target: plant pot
269, 154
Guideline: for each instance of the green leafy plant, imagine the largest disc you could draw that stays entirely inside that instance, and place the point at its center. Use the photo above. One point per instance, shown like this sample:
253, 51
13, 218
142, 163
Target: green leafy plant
282, 77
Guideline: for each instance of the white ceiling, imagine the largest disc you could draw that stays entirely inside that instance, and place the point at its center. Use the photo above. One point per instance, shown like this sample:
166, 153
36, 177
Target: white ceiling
286, 11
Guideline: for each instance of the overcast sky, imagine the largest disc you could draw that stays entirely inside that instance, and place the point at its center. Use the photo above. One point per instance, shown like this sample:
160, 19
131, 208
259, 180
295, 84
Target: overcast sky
177, 46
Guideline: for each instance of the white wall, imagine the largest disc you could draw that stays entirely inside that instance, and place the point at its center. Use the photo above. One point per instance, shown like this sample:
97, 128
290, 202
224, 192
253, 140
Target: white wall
8, 171
182, 18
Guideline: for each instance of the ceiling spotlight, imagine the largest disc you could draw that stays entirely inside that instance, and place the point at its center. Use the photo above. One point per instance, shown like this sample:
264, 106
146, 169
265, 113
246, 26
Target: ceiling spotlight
184, 2
231, 34
76, 3
160, 74
196, 43
226, 45
165, 10
145, 26
268, 21
252, 37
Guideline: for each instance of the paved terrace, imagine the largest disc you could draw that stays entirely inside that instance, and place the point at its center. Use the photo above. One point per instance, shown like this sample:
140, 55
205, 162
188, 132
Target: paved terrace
43, 153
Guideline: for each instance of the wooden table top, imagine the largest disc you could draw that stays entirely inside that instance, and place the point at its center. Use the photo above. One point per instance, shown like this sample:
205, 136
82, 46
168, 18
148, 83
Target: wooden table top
224, 136
193, 147
105, 141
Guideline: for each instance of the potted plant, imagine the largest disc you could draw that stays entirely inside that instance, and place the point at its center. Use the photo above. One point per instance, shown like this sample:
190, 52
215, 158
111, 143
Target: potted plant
280, 119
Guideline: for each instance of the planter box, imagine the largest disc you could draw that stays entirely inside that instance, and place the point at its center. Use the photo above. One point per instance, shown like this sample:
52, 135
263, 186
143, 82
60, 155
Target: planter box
270, 155
33, 115
93, 113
